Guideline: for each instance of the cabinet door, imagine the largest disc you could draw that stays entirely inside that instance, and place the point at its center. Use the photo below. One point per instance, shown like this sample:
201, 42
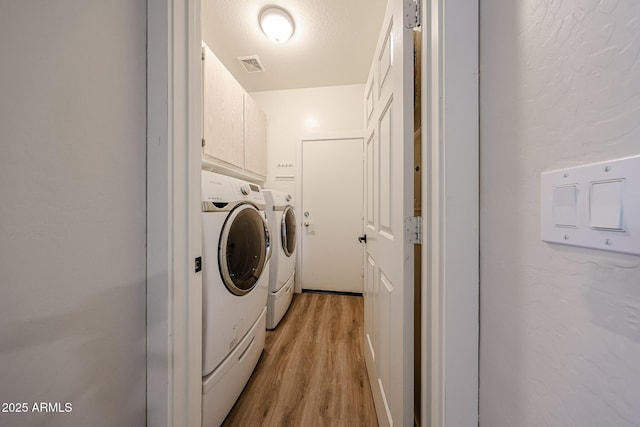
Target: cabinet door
255, 143
223, 100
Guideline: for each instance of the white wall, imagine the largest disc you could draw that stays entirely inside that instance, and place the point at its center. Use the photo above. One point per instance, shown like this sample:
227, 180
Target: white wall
72, 211
293, 114
560, 326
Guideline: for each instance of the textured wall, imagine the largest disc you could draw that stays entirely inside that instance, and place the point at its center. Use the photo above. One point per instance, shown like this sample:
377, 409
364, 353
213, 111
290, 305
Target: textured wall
73, 211
560, 326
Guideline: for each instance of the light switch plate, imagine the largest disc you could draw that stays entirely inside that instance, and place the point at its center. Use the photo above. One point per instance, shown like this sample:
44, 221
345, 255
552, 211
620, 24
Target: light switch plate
607, 206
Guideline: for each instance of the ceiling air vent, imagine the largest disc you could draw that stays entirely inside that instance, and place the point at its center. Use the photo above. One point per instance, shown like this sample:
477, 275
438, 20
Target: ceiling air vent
252, 64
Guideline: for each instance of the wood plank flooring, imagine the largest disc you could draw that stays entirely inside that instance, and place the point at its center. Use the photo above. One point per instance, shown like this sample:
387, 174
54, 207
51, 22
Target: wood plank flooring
312, 371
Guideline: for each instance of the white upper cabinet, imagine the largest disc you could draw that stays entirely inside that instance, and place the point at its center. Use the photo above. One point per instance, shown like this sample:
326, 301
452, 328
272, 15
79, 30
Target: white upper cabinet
255, 137
223, 99
234, 128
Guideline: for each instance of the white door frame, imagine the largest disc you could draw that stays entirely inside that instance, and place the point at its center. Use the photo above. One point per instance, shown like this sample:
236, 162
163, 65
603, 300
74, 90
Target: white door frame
450, 158
312, 136
450, 189
174, 289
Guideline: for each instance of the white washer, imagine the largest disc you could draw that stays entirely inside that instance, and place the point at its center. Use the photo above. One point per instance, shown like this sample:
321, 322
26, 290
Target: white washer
236, 247
282, 218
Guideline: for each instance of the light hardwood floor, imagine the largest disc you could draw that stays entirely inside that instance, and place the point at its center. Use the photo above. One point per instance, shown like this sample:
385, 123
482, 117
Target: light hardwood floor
312, 371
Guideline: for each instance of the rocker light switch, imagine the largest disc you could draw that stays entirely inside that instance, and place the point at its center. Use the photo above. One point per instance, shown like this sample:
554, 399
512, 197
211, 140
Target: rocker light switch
565, 206
605, 205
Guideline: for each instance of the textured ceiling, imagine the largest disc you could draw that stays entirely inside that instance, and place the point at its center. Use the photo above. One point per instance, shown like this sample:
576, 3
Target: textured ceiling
333, 42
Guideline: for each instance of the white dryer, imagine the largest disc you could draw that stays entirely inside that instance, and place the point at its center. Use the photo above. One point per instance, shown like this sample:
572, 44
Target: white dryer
236, 248
282, 219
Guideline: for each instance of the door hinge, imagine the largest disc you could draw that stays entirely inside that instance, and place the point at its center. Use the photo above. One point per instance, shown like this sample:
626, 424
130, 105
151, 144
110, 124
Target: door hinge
413, 225
411, 13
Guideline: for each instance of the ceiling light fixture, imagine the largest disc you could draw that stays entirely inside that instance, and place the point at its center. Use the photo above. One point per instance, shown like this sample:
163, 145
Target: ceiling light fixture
276, 24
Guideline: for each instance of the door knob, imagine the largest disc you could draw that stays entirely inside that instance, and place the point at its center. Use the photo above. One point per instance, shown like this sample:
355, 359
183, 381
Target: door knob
362, 239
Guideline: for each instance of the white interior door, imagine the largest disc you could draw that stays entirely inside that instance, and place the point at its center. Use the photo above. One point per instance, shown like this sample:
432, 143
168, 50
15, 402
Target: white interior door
388, 202
331, 215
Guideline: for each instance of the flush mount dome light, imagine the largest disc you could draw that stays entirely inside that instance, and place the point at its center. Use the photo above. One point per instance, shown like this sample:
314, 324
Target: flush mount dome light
276, 24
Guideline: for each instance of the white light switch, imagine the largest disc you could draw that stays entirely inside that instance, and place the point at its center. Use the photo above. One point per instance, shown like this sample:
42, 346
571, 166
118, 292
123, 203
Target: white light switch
605, 205
565, 208
595, 205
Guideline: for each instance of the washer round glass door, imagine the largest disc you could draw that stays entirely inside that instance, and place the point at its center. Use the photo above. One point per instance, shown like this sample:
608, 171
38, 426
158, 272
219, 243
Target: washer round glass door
288, 228
243, 249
